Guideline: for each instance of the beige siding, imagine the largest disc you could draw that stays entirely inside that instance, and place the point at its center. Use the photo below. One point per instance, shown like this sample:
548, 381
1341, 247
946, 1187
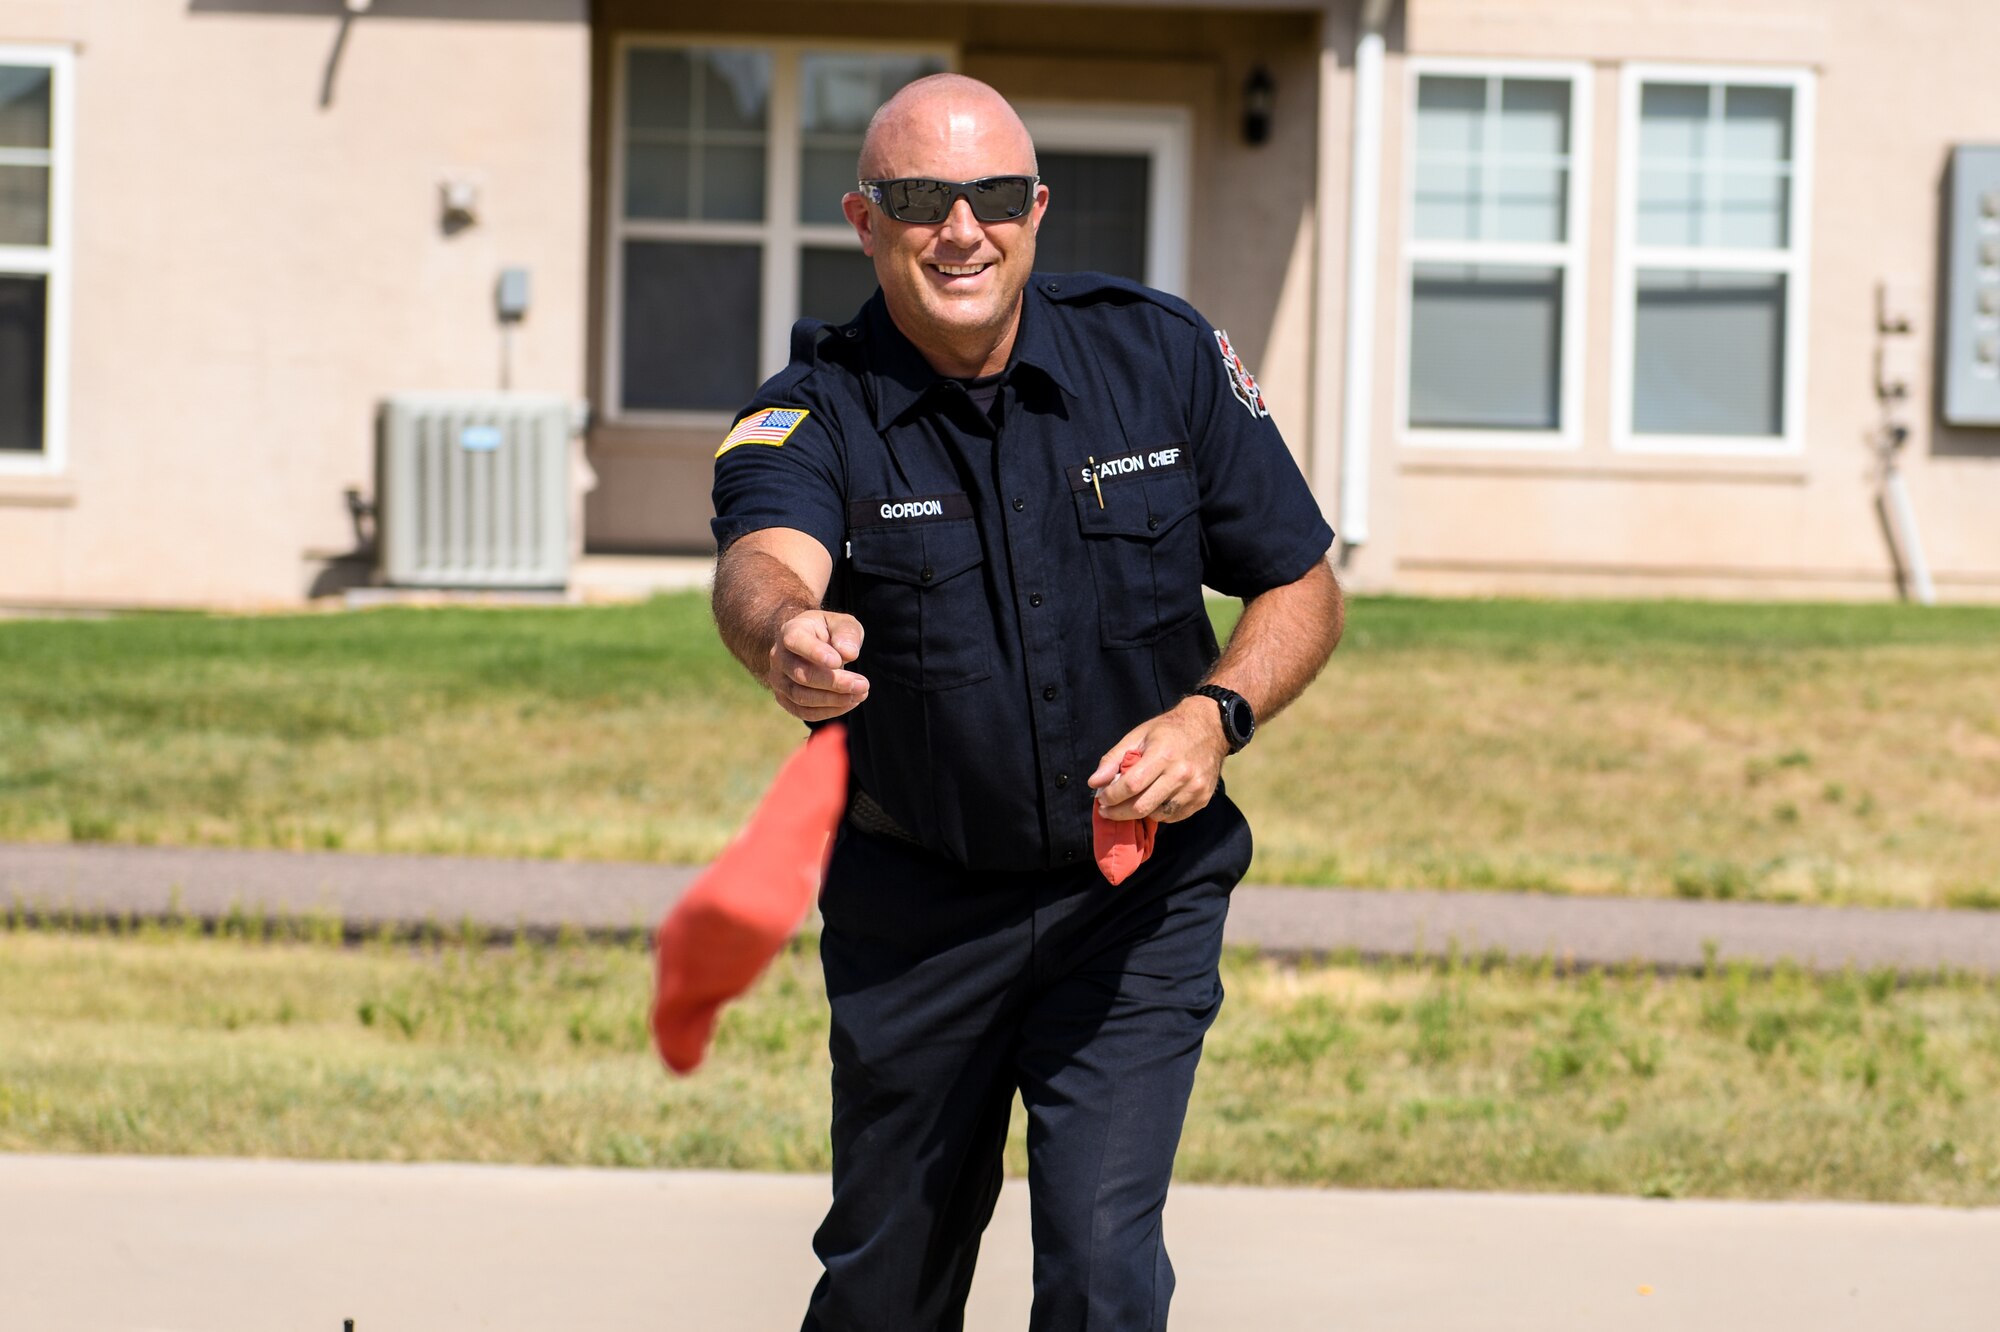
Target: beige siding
252, 272
1895, 90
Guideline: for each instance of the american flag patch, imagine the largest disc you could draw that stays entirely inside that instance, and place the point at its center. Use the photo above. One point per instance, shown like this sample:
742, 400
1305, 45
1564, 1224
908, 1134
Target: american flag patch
771, 426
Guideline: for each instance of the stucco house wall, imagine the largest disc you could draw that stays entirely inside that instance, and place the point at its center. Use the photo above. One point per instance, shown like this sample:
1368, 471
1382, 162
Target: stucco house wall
258, 258
1896, 87
254, 270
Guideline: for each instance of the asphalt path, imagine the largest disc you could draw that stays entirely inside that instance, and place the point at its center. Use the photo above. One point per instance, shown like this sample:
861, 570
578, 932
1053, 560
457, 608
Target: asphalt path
543, 896
169, 1245
96, 1244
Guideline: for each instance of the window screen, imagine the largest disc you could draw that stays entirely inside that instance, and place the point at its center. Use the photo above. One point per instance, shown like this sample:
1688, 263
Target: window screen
1486, 347
1710, 353
1098, 204
24, 155
834, 284
1715, 173
690, 328
24, 307
24, 205
695, 132
712, 139
1493, 259
27, 163
838, 93
1492, 159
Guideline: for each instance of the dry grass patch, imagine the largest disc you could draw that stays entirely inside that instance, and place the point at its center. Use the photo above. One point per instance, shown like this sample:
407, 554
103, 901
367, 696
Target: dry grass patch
1843, 754
1727, 1085
1786, 771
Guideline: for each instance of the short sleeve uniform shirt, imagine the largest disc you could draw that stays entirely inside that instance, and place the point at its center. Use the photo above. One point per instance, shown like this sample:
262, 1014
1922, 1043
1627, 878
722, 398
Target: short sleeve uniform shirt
1029, 581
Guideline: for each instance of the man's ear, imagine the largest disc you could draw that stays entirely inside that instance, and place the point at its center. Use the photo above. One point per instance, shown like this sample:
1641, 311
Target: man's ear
863, 221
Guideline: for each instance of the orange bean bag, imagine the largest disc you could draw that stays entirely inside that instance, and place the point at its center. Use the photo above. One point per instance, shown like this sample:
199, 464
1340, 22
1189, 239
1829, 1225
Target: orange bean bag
716, 941
1122, 845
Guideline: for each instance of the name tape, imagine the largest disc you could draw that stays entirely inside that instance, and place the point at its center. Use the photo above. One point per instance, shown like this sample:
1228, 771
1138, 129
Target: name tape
895, 511
1082, 476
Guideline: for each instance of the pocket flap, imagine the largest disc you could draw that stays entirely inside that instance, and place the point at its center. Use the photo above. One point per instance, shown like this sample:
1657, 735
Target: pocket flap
922, 554
1143, 507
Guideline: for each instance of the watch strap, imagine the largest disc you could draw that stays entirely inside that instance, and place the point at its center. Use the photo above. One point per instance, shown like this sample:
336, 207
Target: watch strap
1225, 701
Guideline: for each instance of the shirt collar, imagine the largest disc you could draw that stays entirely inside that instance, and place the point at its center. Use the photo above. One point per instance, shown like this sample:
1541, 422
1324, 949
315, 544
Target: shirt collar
900, 375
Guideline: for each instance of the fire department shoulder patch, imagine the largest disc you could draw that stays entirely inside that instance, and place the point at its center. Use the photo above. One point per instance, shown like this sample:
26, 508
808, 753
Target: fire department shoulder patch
1241, 382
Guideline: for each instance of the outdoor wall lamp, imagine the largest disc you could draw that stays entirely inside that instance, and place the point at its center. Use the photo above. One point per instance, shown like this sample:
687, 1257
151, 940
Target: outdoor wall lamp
1260, 95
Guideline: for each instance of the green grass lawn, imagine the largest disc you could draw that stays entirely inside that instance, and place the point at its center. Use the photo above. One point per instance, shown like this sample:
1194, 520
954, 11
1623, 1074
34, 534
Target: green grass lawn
1812, 753
1722, 1085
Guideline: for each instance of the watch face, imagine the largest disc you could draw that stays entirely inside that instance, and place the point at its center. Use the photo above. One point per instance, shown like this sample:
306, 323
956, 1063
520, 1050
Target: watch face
1240, 722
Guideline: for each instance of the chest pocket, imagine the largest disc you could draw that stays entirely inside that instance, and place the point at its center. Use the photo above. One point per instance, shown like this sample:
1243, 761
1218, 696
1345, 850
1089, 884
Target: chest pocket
921, 603
1145, 553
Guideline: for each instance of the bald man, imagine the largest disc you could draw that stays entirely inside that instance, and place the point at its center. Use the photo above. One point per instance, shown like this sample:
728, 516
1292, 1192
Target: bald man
974, 523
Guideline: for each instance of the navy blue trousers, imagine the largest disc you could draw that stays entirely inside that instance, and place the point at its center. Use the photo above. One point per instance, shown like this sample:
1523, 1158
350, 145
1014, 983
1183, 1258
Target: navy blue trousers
951, 989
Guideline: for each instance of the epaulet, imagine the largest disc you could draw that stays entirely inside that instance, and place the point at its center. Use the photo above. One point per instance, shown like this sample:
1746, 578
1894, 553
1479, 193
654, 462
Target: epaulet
1103, 288
815, 343
808, 335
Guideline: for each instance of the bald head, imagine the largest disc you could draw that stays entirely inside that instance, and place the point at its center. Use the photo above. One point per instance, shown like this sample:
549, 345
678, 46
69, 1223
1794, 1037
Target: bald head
945, 117
952, 284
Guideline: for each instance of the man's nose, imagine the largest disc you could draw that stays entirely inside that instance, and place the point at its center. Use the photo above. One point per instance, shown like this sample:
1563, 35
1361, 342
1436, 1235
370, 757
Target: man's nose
961, 228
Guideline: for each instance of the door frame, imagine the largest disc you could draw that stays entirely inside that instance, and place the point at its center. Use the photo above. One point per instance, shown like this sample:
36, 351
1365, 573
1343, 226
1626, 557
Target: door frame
1164, 134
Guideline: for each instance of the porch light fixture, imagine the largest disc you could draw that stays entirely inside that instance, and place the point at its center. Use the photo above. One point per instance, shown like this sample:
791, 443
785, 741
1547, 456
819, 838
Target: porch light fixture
1260, 95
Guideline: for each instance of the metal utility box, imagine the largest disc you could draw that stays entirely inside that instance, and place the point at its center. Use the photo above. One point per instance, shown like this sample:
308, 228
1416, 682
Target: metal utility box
1971, 359
473, 490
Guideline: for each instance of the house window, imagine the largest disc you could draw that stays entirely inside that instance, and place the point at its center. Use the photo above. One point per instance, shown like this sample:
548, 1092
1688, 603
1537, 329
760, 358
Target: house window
34, 256
1712, 266
729, 165
1494, 287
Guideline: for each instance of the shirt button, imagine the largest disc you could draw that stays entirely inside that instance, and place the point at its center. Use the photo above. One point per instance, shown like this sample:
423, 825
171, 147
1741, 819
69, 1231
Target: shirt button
1019, 504
927, 573
1069, 855
1035, 600
1152, 524
1062, 780
1050, 693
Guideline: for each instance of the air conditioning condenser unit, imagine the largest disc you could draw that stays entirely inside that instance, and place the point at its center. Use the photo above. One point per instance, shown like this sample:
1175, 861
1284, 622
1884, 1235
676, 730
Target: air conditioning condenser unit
474, 490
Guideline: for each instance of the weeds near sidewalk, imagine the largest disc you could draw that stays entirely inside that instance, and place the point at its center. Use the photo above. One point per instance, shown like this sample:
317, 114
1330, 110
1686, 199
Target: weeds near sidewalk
1475, 1074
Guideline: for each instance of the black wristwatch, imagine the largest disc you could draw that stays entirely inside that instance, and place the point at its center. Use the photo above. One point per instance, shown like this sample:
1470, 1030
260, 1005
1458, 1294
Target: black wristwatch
1239, 723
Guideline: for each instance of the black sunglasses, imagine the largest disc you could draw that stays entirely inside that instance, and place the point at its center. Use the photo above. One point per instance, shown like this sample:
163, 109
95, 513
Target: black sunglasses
921, 199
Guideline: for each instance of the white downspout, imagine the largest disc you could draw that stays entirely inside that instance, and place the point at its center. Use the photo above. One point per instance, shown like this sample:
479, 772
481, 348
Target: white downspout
1363, 242
1905, 542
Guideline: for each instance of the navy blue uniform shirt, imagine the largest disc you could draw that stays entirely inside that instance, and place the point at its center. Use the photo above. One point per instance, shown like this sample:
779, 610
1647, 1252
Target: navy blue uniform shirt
1028, 582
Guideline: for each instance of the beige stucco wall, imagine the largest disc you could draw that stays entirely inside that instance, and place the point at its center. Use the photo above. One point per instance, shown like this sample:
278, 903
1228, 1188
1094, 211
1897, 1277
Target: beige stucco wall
1250, 229
1896, 86
253, 272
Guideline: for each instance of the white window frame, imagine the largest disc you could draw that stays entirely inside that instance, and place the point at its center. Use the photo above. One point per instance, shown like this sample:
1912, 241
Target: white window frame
1795, 262
1164, 134
780, 234
1572, 255
50, 261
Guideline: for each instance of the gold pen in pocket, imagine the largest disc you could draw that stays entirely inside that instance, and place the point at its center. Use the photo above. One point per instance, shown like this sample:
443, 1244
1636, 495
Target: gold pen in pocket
1094, 484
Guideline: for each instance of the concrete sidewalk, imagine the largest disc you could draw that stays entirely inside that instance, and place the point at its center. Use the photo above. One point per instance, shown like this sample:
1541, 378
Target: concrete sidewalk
96, 1244
502, 895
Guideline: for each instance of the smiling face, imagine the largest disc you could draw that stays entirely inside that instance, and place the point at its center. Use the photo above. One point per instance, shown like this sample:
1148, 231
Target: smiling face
952, 287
